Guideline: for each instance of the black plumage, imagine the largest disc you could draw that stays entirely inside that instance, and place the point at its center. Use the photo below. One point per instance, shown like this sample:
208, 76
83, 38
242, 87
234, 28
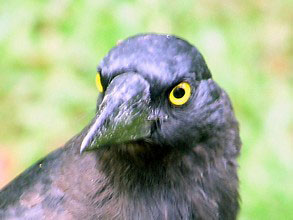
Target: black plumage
143, 156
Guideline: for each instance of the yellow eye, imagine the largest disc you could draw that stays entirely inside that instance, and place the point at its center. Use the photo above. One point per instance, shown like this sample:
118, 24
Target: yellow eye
99, 83
180, 94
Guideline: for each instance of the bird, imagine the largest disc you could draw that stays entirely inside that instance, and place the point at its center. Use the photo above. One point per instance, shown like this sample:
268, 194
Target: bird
163, 144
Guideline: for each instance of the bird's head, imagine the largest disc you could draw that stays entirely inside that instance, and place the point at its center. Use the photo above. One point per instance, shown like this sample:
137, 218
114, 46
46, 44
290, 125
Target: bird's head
156, 89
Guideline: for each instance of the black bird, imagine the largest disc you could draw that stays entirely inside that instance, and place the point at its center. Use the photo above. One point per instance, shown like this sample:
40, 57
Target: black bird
162, 145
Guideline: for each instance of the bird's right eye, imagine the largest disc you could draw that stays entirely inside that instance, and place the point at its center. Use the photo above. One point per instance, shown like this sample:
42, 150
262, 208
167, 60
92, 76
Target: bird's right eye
99, 83
180, 94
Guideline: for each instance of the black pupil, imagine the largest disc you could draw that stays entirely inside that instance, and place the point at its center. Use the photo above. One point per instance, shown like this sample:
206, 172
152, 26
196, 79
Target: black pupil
179, 93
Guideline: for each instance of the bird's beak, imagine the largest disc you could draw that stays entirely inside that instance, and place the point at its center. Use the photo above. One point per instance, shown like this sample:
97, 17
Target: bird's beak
123, 114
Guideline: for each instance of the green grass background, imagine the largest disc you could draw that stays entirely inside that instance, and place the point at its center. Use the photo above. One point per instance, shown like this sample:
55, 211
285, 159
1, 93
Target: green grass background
49, 51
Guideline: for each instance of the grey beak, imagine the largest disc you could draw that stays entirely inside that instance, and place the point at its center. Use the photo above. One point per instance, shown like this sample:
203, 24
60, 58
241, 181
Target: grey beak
123, 113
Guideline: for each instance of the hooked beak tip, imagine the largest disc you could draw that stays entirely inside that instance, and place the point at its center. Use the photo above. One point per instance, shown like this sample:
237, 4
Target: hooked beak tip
84, 144
82, 147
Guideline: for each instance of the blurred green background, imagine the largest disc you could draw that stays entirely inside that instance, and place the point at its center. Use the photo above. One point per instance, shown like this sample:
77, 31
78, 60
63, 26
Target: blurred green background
49, 51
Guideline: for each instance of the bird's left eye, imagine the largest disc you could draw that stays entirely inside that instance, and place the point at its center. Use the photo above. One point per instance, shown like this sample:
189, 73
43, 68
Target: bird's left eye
180, 94
99, 83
